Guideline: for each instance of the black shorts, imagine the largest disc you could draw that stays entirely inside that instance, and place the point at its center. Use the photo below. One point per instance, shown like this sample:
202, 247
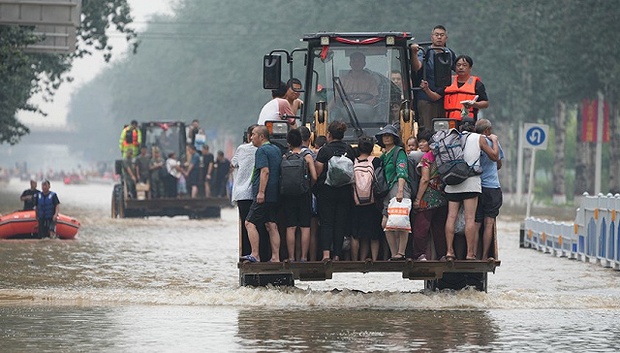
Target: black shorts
489, 203
460, 196
298, 210
192, 179
261, 213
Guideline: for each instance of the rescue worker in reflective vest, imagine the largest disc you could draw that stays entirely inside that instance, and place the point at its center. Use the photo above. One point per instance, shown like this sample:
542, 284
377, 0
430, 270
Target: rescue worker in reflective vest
47, 210
465, 96
131, 138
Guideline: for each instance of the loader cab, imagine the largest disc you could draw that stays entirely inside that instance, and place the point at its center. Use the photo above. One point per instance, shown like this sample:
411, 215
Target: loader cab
168, 136
347, 78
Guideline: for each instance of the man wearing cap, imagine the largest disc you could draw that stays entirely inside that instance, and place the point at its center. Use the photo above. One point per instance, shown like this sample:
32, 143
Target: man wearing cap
131, 138
29, 195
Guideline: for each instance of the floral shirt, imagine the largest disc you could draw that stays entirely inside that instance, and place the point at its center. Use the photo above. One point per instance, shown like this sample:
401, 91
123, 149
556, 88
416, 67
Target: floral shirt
433, 195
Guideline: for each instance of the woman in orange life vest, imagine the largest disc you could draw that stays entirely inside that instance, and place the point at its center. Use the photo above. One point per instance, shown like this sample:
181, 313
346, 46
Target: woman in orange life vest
460, 97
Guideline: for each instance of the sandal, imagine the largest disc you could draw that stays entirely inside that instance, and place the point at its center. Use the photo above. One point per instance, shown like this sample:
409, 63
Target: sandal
248, 258
449, 258
398, 257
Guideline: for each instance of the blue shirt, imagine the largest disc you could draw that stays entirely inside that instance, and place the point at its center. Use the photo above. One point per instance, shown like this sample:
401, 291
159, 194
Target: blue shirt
195, 161
267, 156
490, 177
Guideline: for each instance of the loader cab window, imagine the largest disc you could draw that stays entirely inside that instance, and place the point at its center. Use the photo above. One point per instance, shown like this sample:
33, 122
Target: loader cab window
165, 137
355, 82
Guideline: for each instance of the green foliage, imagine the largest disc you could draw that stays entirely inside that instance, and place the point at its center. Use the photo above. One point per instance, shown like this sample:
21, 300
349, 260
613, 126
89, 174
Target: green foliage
204, 61
25, 74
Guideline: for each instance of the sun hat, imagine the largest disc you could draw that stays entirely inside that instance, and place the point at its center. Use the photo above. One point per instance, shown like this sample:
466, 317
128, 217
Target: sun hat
390, 130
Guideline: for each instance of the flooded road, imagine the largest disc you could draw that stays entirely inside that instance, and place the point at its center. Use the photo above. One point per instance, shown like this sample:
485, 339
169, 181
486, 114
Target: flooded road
171, 284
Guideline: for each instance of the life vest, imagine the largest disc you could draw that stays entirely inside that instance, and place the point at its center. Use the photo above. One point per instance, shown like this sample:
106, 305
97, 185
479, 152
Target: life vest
454, 95
45, 205
131, 138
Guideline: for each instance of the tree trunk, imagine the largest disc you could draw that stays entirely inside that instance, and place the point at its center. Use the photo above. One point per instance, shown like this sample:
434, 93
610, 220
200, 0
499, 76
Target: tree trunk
614, 145
559, 188
581, 160
508, 138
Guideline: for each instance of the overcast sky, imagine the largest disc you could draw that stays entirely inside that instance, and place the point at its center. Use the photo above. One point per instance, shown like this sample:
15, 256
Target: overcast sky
87, 68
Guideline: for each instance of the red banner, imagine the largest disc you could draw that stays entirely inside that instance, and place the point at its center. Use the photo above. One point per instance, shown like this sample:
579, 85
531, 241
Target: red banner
589, 119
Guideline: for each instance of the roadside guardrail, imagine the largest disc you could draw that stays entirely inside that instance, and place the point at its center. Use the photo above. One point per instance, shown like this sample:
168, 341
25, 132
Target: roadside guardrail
593, 237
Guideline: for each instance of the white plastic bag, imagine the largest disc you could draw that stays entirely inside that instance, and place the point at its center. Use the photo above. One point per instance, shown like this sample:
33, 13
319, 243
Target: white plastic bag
398, 215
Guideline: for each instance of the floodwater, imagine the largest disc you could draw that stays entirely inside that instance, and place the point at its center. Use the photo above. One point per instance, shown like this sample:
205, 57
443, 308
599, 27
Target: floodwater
171, 285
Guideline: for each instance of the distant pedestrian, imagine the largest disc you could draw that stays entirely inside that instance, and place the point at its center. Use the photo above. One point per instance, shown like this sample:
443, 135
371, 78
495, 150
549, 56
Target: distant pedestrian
28, 196
131, 139
221, 169
207, 170
192, 174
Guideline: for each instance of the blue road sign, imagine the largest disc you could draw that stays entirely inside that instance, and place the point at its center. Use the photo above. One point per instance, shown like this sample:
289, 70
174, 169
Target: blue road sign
536, 136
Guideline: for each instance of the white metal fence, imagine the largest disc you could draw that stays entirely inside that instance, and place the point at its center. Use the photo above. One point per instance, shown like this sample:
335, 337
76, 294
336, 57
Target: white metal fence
593, 237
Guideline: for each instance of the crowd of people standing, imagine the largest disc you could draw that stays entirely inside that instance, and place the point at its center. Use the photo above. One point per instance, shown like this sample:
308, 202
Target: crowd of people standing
338, 217
199, 174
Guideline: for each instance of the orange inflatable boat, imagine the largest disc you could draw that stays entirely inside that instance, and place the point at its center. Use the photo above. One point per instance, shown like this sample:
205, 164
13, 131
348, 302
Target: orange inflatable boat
23, 224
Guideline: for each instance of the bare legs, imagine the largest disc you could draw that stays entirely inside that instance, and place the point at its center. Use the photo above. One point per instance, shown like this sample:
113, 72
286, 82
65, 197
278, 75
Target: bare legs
487, 236
397, 241
274, 239
471, 237
359, 249
305, 242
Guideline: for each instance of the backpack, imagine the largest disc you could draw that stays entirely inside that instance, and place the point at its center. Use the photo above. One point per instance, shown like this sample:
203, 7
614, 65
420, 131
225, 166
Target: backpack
414, 178
364, 176
129, 136
294, 174
447, 147
381, 187
339, 171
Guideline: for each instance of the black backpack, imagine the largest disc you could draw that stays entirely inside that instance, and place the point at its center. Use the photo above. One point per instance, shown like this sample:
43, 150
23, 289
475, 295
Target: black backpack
414, 178
129, 136
381, 187
294, 174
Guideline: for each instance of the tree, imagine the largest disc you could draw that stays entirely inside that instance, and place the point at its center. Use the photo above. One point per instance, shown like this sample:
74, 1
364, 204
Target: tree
534, 56
25, 74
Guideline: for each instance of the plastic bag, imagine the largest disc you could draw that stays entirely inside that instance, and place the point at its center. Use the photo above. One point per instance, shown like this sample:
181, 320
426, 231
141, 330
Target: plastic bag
398, 215
459, 225
339, 171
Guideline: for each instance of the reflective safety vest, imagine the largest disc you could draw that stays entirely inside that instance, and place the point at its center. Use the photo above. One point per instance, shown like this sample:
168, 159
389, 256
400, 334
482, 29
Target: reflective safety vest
454, 95
45, 205
131, 137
